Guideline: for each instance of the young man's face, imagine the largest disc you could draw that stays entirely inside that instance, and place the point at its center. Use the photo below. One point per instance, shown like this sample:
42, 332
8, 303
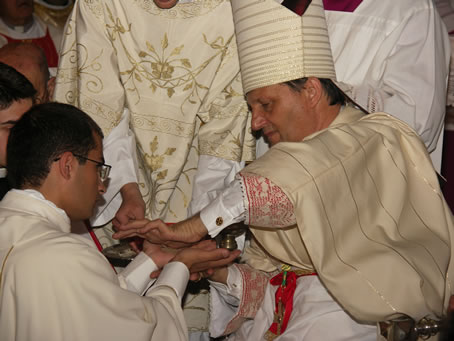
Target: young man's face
165, 4
281, 113
9, 117
87, 184
16, 12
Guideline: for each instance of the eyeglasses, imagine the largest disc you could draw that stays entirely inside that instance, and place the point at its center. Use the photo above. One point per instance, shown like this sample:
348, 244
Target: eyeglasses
103, 169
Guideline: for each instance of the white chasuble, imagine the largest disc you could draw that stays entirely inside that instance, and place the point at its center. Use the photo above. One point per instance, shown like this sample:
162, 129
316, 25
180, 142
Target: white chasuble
370, 216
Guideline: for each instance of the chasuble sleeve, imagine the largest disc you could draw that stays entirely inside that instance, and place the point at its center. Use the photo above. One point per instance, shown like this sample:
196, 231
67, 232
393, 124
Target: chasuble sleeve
83, 300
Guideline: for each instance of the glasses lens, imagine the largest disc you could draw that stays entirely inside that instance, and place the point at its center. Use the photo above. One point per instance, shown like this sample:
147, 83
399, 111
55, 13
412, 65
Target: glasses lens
104, 172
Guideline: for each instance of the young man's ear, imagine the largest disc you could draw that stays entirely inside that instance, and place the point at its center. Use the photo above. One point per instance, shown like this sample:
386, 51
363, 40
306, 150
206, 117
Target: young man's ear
66, 165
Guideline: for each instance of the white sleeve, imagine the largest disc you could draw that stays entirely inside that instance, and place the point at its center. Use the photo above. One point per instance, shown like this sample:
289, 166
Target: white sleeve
414, 82
228, 208
120, 153
212, 176
225, 300
100, 308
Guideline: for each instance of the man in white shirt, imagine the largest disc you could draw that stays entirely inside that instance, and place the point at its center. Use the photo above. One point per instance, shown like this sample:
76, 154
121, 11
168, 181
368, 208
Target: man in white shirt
395, 56
56, 285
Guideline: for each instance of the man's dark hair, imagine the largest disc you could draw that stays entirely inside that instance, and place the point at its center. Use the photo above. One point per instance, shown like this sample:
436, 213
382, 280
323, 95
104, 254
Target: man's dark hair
44, 133
13, 86
334, 94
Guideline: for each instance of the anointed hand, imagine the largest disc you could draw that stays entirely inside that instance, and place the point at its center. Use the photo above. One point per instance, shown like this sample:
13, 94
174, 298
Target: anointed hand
202, 257
177, 235
160, 255
205, 257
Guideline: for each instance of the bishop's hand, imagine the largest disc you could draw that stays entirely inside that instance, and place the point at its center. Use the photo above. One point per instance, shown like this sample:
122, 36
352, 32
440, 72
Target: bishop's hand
177, 235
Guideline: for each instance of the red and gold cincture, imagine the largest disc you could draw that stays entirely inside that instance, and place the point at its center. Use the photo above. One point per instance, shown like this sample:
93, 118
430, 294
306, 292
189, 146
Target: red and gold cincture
286, 280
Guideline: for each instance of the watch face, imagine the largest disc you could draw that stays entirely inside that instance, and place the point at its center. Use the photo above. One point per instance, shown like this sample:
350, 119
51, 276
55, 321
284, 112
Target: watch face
119, 254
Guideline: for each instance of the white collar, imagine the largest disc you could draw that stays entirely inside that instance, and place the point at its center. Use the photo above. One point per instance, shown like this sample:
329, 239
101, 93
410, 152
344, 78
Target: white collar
39, 196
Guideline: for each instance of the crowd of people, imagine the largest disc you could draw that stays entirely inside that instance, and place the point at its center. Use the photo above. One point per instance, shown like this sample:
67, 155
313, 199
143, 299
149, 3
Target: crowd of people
318, 124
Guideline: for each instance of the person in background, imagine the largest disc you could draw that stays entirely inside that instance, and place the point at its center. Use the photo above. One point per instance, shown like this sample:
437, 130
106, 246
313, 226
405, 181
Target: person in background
57, 169
30, 60
19, 23
170, 103
446, 10
339, 198
16, 97
54, 12
395, 56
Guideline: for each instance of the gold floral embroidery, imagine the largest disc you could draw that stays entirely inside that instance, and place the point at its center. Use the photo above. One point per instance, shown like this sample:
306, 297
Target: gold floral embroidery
168, 65
95, 7
169, 70
154, 162
85, 67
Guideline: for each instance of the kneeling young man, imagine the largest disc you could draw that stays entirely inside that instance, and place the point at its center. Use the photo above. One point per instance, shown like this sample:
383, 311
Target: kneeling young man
55, 285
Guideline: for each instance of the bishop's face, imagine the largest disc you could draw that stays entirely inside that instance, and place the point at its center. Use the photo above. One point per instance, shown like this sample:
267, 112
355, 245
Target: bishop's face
282, 114
165, 4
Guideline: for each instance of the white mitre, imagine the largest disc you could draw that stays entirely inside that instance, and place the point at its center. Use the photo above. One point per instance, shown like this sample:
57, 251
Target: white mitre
276, 45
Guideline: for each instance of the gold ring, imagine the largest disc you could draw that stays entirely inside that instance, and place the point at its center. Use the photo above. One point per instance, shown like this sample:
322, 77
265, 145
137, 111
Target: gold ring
200, 277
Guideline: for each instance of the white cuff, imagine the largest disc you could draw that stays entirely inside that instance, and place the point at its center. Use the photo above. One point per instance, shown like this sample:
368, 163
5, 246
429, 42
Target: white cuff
228, 208
234, 282
174, 275
137, 274
224, 301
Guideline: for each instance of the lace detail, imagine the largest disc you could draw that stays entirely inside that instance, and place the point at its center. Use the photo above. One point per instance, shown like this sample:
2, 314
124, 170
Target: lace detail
254, 285
267, 205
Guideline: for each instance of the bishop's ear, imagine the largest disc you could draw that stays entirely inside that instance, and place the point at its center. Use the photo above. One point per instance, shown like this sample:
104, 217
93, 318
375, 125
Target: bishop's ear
313, 90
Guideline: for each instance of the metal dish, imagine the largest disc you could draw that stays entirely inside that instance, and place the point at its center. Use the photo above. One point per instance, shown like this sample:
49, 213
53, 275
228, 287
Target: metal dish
119, 254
